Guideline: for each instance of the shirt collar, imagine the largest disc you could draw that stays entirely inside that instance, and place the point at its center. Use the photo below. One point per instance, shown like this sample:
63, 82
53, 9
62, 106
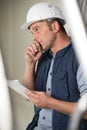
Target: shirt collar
63, 51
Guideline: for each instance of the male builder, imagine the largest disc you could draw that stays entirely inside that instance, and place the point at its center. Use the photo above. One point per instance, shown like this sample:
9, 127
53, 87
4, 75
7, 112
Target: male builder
57, 82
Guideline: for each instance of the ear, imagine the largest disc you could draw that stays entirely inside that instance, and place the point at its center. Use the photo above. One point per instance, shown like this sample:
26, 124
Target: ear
55, 26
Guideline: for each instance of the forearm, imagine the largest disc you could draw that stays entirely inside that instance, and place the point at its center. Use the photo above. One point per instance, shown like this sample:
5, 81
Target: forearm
32, 54
43, 100
64, 107
29, 76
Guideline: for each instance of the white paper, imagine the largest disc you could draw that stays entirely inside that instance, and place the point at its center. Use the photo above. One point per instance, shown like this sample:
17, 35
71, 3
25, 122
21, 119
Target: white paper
18, 87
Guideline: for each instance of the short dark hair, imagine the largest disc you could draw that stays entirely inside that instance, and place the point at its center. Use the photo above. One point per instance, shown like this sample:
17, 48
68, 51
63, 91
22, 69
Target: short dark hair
60, 22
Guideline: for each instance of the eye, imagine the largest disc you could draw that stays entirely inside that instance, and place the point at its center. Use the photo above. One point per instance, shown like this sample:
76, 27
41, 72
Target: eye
36, 29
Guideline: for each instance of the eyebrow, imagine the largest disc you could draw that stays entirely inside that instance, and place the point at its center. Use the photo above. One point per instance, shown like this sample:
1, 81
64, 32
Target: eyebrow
34, 27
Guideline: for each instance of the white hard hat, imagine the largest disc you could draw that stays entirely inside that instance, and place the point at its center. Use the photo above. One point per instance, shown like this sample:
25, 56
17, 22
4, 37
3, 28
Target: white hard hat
42, 11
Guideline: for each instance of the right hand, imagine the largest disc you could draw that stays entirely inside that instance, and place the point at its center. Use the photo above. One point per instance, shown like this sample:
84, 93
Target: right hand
33, 52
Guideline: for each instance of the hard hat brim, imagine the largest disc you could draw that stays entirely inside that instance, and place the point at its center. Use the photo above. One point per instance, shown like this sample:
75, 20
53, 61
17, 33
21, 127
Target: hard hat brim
25, 26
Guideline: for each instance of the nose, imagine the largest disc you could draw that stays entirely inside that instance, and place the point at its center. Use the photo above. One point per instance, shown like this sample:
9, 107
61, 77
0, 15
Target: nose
34, 37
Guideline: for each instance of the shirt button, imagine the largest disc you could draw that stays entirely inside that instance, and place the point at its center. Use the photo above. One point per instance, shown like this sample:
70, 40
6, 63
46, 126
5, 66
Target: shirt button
50, 73
43, 117
49, 89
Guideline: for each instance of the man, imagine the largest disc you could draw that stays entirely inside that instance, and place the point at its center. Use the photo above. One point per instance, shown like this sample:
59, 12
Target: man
57, 82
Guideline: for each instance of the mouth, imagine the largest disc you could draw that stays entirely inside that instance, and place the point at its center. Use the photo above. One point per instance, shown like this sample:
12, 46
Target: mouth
41, 46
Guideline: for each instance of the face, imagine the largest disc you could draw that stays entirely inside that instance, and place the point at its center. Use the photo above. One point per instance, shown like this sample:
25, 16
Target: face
42, 34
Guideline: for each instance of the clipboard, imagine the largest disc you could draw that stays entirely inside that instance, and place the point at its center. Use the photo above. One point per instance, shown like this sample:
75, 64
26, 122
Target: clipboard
18, 87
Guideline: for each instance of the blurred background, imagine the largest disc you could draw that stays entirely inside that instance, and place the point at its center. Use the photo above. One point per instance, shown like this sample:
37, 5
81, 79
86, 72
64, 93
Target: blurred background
13, 42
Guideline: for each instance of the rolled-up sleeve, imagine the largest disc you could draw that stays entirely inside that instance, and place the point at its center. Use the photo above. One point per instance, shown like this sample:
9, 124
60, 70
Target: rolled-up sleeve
82, 82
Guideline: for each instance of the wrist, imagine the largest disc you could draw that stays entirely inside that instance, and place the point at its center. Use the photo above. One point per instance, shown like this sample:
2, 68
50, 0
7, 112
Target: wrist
51, 103
30, 65
29, 68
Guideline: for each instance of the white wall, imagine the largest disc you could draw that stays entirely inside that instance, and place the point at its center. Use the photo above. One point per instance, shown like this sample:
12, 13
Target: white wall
13, 41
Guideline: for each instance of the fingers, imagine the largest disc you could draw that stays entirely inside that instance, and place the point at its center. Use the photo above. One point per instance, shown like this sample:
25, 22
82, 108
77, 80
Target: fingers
31, 94
28, 53
39, 46
34, 48
39, 99
33, 52
34, 97
28, 93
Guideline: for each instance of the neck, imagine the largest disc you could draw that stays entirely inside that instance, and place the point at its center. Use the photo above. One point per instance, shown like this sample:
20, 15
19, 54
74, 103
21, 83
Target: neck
60, 42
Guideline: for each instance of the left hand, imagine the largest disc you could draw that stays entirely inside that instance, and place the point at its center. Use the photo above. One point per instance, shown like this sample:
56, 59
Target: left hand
40, 99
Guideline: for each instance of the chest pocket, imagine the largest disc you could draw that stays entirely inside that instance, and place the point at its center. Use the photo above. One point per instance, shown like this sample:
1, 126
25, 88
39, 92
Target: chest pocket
60, 89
